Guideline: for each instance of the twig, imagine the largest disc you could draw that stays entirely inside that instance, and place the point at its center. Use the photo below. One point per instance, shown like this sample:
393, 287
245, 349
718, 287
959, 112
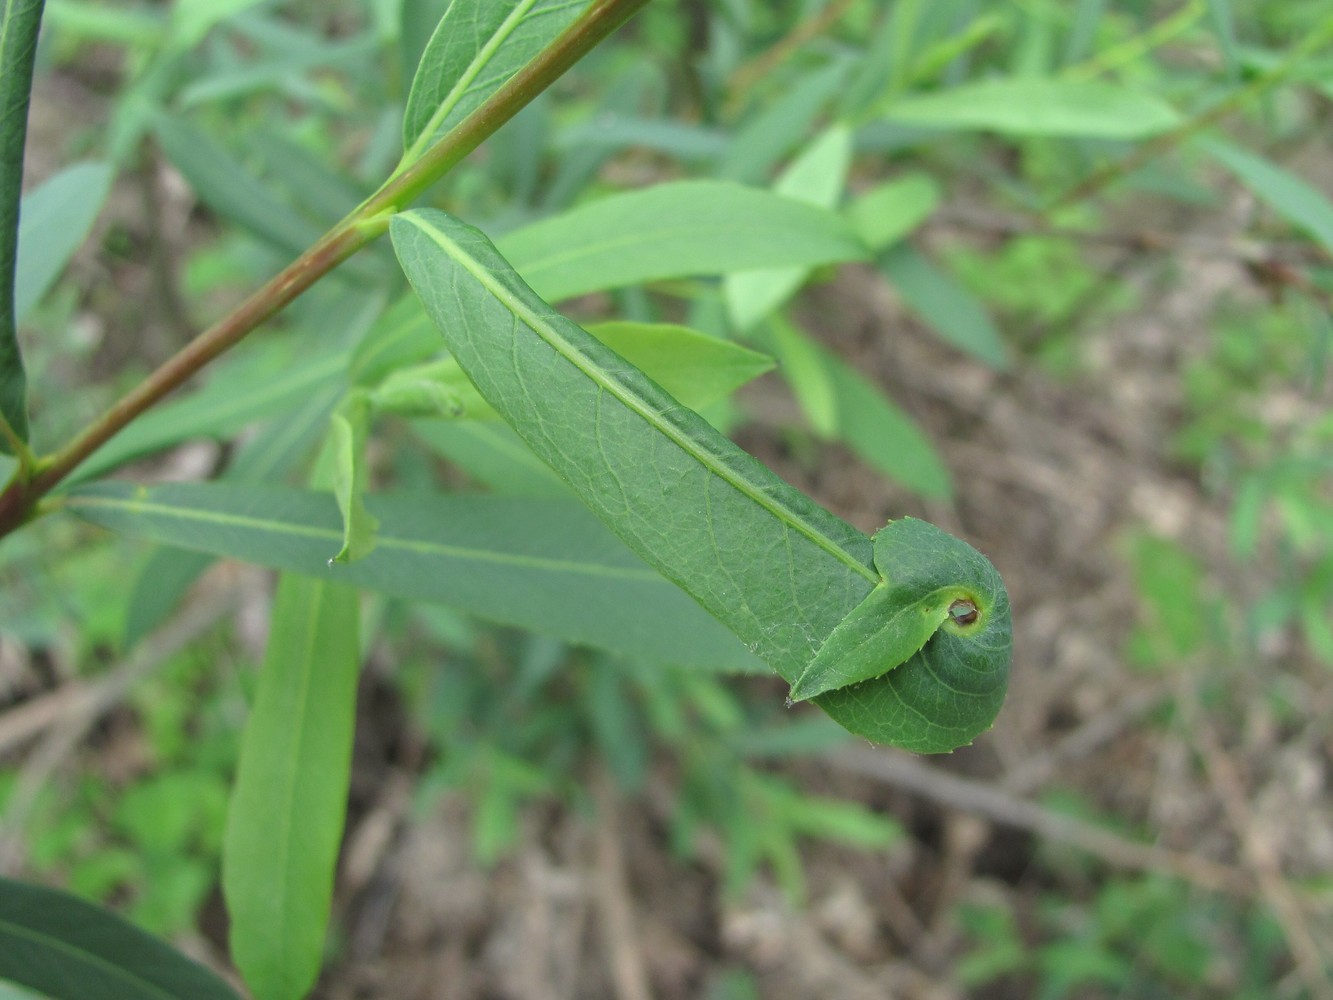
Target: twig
29, 719
95, 700
628, 972
951, 791
1258, 851
1166, 141
21, 498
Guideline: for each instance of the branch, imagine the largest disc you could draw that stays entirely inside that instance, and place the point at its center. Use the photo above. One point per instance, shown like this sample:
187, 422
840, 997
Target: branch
367, 222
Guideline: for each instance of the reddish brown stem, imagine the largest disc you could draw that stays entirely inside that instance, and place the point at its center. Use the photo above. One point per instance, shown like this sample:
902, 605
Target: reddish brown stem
368, 221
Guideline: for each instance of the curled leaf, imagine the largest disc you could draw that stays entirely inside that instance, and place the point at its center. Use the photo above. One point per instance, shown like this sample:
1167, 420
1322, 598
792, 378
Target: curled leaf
938, 625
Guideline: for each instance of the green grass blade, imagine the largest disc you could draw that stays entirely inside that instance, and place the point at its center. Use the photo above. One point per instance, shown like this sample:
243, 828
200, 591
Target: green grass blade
779, 570
285, 823
20, 21
69, 949
778, 128
671, 231
477, 47
541, 564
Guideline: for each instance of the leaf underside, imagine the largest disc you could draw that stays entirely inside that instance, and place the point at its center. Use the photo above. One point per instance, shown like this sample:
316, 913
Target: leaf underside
539, 563
777, 569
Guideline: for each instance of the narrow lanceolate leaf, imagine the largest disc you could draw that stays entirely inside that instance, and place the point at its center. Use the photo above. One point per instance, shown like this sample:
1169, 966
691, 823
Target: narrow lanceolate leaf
227, 187
778, 569
951, 310
1026, 106
55, 220
290, 798
885, 214
696, 368
477, 47
20, 21
542, 564
67, 948
1291, 197
243, 391
816, 177
672, 231
843, 404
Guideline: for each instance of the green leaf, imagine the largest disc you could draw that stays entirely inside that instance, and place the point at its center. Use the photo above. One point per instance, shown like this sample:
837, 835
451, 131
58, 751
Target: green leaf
228, 188
1224, 24
401, 336
492, 454
674, 230
144, 28
885, 214
816, 177
252, 386
348, 427
1030, 106
477, 47
168, 572
20, 22
779, 570
810, 378
940, 602
285, 822
157, 590
840, 400
282, 61
694, 367
434, 389
310, 181
542, 564
780, 125
949, 308
55, 221
69, 949
1292, 198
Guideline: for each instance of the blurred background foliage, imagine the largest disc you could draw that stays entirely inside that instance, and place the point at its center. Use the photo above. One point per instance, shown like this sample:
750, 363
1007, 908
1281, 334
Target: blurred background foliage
1122, 206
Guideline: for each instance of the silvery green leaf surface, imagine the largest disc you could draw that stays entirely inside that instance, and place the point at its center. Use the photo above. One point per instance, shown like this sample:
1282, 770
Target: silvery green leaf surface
777, 569
539, 563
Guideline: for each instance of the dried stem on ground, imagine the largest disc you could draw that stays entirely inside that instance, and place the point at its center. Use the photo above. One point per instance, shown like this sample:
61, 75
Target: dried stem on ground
624, 955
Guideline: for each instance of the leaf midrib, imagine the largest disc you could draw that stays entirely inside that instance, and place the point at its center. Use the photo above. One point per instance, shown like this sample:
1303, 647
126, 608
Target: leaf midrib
84, 957
466, 78
630, 398
383, 541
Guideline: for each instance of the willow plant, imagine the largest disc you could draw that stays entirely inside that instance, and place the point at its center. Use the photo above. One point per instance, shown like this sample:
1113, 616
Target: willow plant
903, 638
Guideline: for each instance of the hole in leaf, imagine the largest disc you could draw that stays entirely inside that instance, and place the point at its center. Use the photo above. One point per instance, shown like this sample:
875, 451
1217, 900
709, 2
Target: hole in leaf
963, 612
